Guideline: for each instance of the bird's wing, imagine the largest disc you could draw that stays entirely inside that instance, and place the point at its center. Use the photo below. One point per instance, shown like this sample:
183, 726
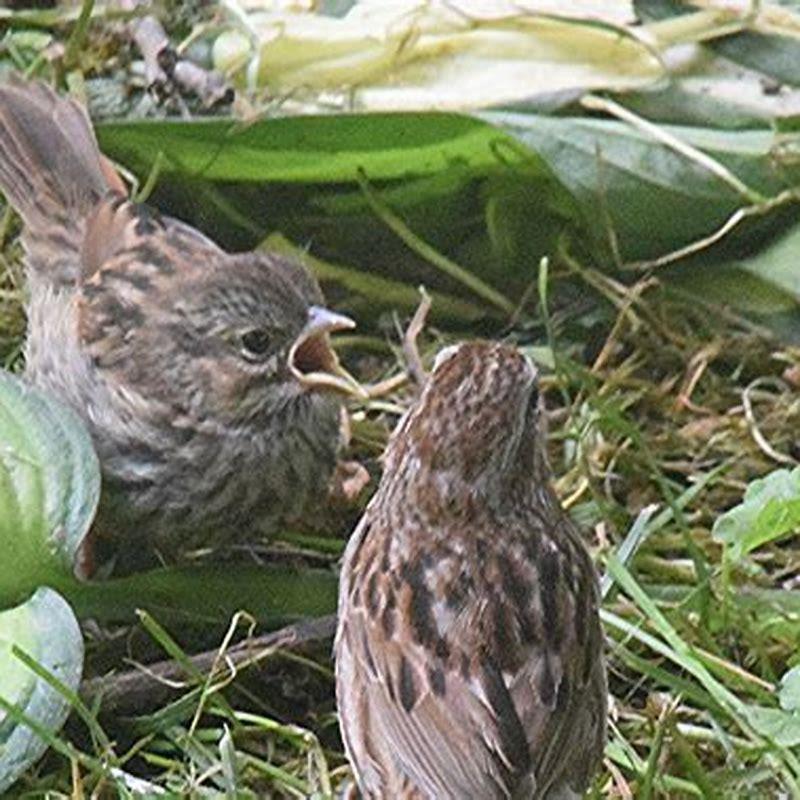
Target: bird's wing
561, 694
516, 673
420, 713
118, 225
132, 261
452, 735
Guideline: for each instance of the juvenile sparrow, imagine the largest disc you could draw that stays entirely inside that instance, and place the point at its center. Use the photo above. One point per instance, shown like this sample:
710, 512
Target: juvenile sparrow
207, 379
469, 658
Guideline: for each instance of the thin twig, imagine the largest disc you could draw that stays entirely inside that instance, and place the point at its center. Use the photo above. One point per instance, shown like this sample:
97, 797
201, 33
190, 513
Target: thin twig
385, 387
410, 349
755, 431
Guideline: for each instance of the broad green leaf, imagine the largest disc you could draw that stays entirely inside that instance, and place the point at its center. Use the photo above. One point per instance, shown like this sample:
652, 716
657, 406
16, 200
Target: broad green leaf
764, 284
461, 185
208, 594
309, 149
49, 488
748, 291
636, 188
778, 263
46, 630
770, 509
626, 183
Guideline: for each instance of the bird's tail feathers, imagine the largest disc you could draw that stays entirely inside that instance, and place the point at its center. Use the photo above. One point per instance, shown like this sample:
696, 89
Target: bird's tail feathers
50, 166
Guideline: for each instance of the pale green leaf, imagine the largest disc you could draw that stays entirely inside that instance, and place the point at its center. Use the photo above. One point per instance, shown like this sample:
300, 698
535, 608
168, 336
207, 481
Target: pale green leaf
46, 630
49, 488
770, 509
776, 724
790, 690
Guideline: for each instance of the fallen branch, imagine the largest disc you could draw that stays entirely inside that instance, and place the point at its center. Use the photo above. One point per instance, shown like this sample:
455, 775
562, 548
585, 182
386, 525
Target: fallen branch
136, 690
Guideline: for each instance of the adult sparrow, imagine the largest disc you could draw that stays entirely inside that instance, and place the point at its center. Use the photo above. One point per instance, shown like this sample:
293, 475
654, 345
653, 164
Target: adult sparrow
206, 378
469, 649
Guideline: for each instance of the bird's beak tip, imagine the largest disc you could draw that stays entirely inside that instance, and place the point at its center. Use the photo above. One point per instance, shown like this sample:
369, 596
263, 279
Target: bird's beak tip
312, 360
323, 320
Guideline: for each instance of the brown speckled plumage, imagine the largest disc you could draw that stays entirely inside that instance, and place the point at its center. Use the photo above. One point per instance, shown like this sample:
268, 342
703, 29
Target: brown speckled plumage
190, 365
469, 651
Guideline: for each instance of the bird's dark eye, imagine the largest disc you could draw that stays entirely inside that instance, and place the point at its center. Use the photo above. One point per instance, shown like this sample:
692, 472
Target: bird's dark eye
256, 344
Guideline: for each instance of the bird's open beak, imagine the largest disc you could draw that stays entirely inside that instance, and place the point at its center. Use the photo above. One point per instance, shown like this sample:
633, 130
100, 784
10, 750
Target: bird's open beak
312, 360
